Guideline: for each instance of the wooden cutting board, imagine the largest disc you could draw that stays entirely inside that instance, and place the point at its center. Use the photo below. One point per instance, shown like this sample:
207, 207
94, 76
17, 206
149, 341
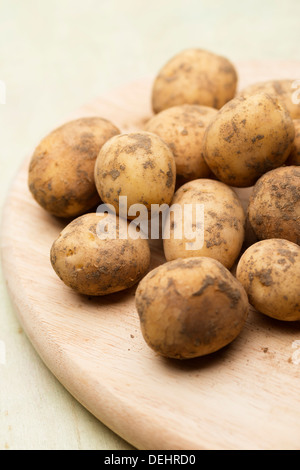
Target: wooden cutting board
245, 396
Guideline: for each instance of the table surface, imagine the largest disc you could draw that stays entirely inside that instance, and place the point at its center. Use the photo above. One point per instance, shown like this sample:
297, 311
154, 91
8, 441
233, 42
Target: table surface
53, 61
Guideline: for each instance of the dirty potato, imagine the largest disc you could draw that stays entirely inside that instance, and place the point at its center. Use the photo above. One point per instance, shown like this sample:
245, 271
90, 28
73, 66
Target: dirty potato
280, 89
139, 166
194, 76
190, 307
217, 232
90, 257
274, 205
247, 138
61, 171
182, 128
294, 157
269, 270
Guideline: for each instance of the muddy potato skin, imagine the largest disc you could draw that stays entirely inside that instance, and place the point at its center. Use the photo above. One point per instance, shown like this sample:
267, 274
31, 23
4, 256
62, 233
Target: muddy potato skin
294, 157
137, 165
274, 205
247, 138
94, 266
182, 128
224, 223
190, 307
280, 89
61, 171
269, 270
194, 76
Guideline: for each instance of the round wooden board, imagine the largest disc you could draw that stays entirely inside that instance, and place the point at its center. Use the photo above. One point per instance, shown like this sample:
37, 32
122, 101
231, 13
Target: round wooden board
245, 396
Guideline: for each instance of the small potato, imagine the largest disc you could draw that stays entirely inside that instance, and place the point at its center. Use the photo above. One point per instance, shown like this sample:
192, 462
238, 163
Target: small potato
294, 158
92, 263
190, 307
194, 76
247, 138
274, 205
182, 128
61, 171
280, 89
139, 166
222, 225
270, 272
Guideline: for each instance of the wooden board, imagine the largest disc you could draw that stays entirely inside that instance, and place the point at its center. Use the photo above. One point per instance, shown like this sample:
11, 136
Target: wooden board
243, 397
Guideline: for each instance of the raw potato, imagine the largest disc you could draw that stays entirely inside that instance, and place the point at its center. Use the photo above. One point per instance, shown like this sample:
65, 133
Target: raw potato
94, 265
247, 138
224, 223
294, 158
182, 128
284, 90
190, 307
194, 76
270, 273
274, 205
139, 166
61, 172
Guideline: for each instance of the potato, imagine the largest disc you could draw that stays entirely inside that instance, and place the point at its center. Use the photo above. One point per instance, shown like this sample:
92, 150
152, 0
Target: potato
294, 157
95, 264
280, 89
274, 205
61, 171
247, 138
137, 165
190, 307
182, 128
269, 270
194, 76
222, 225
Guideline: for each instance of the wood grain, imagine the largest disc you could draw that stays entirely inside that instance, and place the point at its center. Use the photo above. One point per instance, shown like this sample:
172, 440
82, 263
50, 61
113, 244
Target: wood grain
243, 397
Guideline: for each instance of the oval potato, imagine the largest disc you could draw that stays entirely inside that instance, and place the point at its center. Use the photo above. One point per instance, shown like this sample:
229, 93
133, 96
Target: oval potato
269, 270
274, 205
139, 166
247, 138
219, 234
182, 128
284, 90
294, 157
190, 307
194, 76
97, 262
61, 171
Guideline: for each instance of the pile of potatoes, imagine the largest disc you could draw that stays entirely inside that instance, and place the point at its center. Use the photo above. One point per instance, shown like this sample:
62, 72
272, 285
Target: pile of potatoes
205, 140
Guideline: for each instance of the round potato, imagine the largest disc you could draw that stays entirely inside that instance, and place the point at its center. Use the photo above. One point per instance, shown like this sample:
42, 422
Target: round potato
247, 138
280, 89
61, 171
217, 232
190, 307
274, 205
90, 257
269, 270
194, 76
139, 166
294, 158
182, 128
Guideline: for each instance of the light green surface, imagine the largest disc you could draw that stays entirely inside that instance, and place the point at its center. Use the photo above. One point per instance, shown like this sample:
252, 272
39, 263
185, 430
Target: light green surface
55, 55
